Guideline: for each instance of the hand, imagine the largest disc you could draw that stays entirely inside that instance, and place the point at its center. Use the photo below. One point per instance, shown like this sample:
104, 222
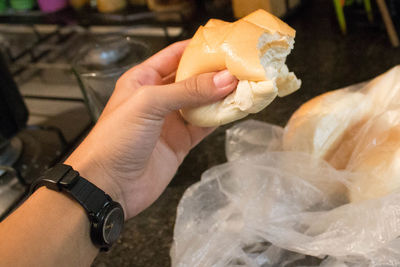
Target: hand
140, 139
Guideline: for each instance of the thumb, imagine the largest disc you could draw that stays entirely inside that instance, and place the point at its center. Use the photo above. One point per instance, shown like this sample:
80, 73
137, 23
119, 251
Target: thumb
195, 91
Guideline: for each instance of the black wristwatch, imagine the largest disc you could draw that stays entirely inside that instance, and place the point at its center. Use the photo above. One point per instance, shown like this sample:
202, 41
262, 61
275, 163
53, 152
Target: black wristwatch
105, 215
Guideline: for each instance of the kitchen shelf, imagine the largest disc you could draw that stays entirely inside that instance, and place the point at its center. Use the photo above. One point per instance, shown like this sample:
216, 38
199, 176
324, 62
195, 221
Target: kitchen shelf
133, 15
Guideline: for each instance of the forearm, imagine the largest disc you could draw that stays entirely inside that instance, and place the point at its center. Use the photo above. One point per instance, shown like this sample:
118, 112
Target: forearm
49, 229
131, 154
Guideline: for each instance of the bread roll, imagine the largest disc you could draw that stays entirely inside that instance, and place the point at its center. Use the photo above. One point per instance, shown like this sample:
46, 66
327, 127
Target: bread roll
319, 126
384, 90
377, 158
254, 50
326, 125
356, 129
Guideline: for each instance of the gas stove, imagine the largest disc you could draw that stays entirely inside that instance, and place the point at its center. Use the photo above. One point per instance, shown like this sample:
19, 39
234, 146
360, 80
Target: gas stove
39, 58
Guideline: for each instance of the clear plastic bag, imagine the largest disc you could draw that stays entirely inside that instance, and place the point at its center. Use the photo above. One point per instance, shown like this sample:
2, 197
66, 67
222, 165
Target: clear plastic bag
274, 206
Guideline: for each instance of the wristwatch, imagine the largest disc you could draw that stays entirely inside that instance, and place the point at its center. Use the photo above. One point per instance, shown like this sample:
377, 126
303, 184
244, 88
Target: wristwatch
105, 215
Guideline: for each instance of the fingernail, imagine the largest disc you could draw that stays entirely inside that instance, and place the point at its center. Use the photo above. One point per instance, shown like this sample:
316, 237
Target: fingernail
223, 79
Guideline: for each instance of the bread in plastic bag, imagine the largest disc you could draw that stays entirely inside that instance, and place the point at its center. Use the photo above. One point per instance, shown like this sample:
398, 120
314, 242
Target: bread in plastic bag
322, 124
377, 157
319, 125
280, 203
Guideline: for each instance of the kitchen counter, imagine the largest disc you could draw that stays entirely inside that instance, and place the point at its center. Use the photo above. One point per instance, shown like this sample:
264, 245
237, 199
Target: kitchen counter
324, 59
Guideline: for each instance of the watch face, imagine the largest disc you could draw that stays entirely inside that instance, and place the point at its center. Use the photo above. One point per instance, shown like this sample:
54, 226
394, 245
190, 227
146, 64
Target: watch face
113, 225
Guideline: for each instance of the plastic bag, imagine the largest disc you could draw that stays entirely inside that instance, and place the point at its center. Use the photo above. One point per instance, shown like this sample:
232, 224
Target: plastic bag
322, 124
270, 206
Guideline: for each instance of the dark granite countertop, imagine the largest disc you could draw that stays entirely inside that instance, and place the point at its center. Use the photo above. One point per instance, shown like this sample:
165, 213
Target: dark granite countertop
324, 59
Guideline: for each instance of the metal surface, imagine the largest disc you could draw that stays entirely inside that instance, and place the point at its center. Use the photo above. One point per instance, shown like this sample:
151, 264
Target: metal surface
105, 52
11, 190
99, 64
10, 153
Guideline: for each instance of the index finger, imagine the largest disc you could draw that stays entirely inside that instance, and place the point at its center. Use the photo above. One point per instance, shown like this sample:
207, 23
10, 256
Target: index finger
167, 60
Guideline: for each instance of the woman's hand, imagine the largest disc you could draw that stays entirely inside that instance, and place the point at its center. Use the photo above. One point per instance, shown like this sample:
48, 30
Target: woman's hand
140, 139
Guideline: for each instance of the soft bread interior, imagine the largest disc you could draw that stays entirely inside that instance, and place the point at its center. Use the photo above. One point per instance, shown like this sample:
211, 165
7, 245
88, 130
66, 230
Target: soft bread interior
249, 97
254, 50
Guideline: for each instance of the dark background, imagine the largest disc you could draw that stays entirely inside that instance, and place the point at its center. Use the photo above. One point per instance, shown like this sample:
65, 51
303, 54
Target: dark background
323, 59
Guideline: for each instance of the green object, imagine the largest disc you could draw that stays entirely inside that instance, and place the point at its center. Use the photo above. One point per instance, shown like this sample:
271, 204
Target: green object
3, 5
367, 5
22, 4
340, 15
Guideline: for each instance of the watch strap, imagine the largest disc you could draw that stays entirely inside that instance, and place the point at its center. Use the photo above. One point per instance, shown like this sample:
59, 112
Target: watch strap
87, 194
97, 204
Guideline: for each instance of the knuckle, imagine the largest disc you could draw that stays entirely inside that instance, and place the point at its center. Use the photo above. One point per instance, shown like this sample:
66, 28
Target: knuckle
147, 101
120, 83
121, 80
140, 98
194, 87
142, 95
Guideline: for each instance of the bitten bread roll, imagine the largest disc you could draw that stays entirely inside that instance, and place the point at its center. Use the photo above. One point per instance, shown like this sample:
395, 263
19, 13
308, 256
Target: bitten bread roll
254, 50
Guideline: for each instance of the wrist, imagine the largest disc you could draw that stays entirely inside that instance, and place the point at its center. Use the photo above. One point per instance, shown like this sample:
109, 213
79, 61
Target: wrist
105, 215
97, 176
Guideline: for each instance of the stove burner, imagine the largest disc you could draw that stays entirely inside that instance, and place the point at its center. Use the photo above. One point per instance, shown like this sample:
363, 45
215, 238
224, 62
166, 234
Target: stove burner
11, 190
59, 116
10, 153
23, 160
